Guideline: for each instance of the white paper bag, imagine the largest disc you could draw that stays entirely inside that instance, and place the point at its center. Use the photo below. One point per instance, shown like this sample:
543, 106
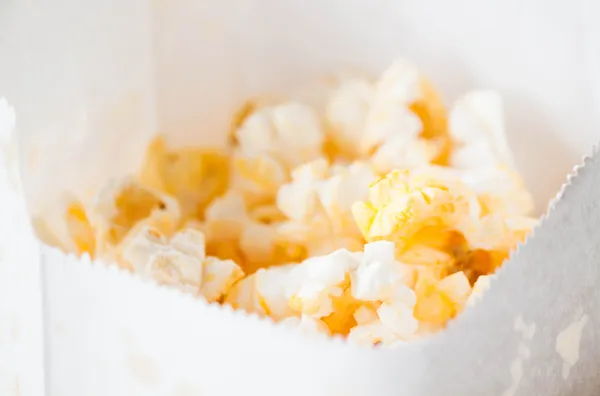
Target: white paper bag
93, 81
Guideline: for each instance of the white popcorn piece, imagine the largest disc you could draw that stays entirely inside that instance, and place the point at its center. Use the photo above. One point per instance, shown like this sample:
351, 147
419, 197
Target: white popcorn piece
172, 267
190, 242
307, 324
148, 253
263, 293
346, 114
501, 188
365, 314
290, 132
389, 115
399, 83
372, 333
379, 274
218, 277
404, 152
298, 199
314, 283
399, 318
388, 121
476, 123
179, 262
347, 185
318, 203
271, 285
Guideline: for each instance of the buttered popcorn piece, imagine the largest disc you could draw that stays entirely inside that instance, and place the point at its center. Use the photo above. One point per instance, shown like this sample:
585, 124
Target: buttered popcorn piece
257, 177
400, 205
125, 203
68, 227
195, 176
439, 301
291, 133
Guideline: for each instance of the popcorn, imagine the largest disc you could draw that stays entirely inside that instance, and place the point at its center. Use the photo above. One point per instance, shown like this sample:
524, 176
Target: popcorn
476, 124
399, 152
298, 200
373, 215
291, 133
68, 227
399, 318
318, 203
218, 277
379, 274
406, 124
124, 204
372, 333
440, 301
150, 254
307, 324
401, 204
257, 177
317, 281
180, 261
194, 176
226, 217
263, 293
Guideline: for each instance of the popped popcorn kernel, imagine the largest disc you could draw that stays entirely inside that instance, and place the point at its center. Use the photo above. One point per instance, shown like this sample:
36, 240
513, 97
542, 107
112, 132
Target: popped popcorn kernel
124, 204
292, 133
218, 277
149, 253
307, 324
441, 301
406, 126
195, 176
400, 205
258, 178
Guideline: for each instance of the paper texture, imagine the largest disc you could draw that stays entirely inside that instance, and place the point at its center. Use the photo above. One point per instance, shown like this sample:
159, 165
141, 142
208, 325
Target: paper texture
21, 325
113, 79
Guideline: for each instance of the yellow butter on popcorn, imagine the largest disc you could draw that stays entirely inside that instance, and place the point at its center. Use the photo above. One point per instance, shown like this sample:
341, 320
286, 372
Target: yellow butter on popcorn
125, 203
375, 214
195, 176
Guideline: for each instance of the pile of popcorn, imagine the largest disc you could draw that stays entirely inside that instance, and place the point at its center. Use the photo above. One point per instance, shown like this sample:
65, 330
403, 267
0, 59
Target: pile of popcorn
378, 216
